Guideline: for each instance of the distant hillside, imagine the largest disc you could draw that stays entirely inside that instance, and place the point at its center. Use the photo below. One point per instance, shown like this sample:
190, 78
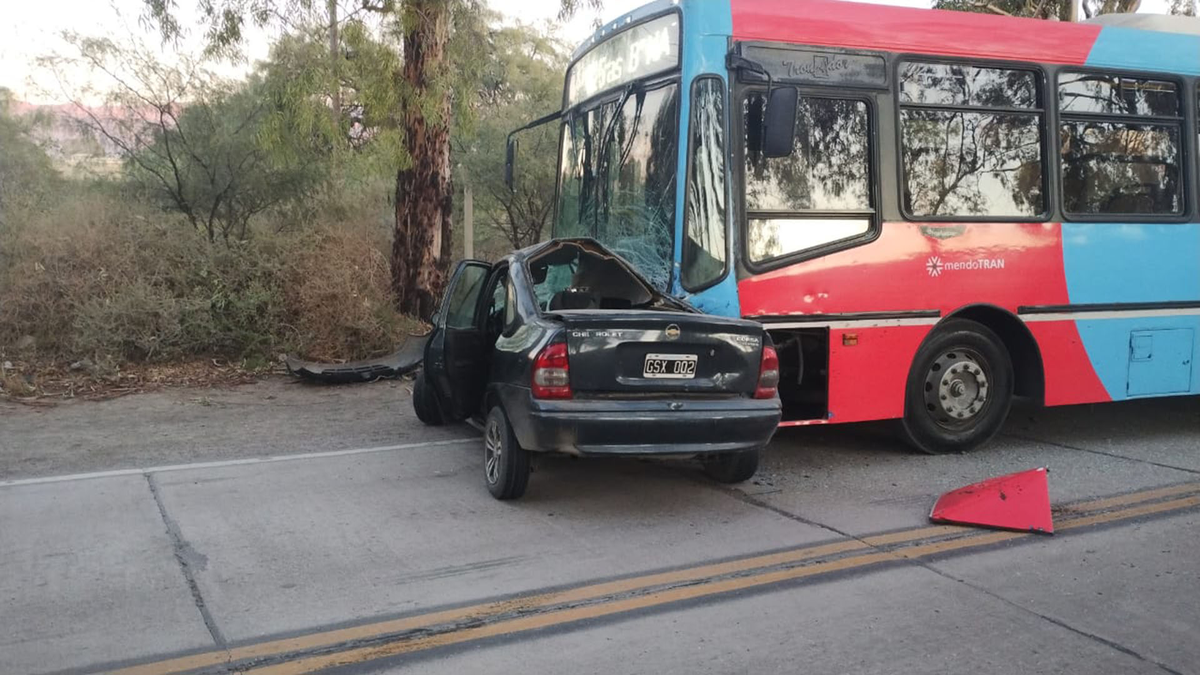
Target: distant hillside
64, 133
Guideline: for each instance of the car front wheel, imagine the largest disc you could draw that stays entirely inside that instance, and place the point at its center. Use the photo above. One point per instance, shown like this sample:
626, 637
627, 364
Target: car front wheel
732, 467
505, 462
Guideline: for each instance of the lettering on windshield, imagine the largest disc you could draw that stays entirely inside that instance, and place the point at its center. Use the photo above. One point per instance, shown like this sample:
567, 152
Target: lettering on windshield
793, 64
820, 67
632, 54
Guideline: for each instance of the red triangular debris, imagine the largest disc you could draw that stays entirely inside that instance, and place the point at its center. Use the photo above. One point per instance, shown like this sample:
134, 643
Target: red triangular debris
1019, 501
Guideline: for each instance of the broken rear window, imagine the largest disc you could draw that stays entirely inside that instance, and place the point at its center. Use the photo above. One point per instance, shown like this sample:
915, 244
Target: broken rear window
572, 277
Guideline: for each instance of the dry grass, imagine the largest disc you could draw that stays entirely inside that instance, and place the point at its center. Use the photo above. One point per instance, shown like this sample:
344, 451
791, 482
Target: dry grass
47, 383
337, 291
97, 278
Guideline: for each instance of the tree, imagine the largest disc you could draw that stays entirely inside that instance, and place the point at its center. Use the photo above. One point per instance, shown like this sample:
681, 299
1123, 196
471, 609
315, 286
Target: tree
1093, 8
522, 80
421, 242
26, 173
424, 193
188, 138
1184, 7
1061, 10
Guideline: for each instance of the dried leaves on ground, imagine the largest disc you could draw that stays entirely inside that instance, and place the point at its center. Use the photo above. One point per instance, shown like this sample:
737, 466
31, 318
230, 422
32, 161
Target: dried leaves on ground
47, 384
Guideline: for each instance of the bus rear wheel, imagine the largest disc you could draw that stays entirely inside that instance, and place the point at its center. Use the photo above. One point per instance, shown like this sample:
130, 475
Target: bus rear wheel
959, 390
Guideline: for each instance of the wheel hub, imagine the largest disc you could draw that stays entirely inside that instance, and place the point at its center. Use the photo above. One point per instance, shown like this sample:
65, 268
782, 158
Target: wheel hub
956, 388
493, 448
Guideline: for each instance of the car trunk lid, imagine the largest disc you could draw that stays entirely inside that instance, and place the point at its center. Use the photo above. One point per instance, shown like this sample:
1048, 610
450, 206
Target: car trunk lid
646, 352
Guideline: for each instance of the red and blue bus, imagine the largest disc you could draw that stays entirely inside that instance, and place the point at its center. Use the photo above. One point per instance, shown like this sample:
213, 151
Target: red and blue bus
931, 211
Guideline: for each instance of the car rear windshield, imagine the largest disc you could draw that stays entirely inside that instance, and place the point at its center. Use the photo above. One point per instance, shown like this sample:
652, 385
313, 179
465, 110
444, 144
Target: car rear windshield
571, 277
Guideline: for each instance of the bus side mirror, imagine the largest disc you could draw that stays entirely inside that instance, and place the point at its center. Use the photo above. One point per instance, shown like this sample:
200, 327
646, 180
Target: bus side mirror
510, 160
779, 125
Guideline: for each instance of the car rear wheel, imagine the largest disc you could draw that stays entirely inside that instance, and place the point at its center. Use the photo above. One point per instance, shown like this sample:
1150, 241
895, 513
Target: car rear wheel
425, 402
959, 390
505, 462
732, 467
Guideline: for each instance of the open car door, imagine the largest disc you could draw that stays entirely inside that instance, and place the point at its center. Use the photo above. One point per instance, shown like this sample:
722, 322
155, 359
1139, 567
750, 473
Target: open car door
454, 355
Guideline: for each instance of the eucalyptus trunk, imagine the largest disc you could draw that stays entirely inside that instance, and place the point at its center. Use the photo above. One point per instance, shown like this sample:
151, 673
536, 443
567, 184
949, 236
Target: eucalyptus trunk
424, 194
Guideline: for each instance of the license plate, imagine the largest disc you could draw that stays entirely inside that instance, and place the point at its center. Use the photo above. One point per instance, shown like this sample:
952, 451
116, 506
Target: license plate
670, 366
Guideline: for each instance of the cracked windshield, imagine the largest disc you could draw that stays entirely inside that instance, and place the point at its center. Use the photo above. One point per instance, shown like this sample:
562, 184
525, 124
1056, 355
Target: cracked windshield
618, 177
619, 153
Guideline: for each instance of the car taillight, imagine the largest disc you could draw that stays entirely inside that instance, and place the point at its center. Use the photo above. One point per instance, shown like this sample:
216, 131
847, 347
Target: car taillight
768, 373
552, 373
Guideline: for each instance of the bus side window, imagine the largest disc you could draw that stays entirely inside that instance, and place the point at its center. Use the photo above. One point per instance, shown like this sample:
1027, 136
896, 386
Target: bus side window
820, 195
972, 142
704, 259
1122, 149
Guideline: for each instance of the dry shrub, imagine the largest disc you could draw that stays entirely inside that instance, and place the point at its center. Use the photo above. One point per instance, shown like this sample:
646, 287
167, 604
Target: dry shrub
339, 295
98, 276
54, 262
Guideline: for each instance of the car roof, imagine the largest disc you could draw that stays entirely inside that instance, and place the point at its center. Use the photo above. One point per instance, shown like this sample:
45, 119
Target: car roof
529, 252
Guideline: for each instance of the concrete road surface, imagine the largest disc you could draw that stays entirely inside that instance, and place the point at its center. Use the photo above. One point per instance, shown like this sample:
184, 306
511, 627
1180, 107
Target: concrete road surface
281, 528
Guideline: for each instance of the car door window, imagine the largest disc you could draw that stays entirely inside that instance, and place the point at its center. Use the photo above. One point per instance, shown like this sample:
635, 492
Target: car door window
464, 296
497, 305
510, 307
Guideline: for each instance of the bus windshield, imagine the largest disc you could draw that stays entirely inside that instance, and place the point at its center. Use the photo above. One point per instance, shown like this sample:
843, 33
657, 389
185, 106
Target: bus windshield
619, 146
617, 184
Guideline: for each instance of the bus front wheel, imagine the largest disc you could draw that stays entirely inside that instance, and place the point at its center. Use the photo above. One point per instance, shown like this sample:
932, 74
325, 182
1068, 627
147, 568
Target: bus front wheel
959, 390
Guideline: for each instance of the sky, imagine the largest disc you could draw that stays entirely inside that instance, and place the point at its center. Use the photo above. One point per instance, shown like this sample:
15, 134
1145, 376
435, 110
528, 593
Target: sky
30, 31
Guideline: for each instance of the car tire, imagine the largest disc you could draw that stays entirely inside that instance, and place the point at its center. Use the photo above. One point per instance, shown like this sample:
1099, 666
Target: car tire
732, 467
505, 462
425, 403
959, 389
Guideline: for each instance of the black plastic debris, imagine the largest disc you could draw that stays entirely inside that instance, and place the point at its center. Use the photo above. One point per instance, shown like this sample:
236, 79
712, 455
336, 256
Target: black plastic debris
404, 360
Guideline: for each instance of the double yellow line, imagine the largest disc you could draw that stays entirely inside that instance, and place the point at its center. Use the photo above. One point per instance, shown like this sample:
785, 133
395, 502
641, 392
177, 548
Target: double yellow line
395, 637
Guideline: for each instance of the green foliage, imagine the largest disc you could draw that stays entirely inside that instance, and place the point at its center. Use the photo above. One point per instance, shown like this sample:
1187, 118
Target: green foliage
438, 42
1037, 9
251, 220
369, 62
228, 157
522, 81
298, 78
26, 175
226, 19
1184, 7
215, 151
516, 74
1061, 10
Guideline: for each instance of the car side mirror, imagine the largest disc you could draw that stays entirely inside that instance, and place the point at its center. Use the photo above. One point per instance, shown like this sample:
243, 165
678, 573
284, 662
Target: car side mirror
510, 161
779, 124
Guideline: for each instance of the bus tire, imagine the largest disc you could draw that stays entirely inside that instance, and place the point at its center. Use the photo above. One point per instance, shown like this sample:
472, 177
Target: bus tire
959, 390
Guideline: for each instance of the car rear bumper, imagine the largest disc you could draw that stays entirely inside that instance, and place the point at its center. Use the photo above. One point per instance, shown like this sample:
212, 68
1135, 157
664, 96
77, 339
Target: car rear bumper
646, 427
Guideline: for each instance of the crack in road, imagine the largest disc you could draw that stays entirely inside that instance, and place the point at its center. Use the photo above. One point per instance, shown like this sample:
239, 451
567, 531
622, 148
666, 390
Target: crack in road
190, 560
1112, 644
1113, 455
442, 627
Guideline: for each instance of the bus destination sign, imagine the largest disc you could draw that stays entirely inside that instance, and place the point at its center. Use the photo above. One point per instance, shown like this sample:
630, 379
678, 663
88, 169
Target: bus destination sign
643, 50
